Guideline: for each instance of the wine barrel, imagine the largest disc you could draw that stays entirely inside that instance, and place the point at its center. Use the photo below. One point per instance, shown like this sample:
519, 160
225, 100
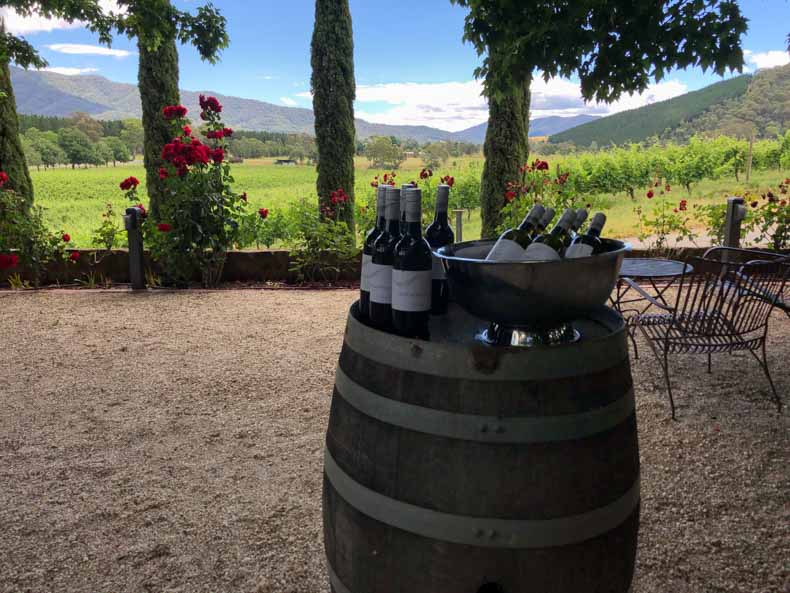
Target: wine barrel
456, 467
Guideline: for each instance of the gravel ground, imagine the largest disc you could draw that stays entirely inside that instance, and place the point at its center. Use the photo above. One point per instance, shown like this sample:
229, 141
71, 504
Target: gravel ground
173, 442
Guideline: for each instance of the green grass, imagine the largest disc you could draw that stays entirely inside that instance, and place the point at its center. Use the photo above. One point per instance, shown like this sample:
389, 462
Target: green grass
75, 199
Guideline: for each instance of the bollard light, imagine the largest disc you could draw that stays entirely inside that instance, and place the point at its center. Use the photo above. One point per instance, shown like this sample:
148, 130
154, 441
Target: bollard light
459, 224
736, 213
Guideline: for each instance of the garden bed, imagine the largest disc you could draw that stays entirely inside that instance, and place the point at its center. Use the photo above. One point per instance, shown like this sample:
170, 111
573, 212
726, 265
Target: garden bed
172, 441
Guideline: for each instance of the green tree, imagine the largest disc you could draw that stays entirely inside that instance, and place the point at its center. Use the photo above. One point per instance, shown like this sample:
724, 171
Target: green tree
596, 41
435, 154
158, 26
132, 136
12, 155
383, 154
92, 128
32, 156
77, 147
103, 153
120, 152
334, 91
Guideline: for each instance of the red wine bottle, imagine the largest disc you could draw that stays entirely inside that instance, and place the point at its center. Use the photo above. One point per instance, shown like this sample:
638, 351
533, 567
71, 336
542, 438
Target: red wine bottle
551, 246
589, 243
367, 253
403, 188
380, 275
438, 234
411, 273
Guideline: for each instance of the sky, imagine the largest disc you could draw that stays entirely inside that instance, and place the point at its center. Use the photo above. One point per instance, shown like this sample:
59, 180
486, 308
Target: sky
412, 66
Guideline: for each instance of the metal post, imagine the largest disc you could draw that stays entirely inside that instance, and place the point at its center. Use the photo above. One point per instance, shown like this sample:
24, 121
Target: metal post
132, 220
749, 158
736, 212
459, 225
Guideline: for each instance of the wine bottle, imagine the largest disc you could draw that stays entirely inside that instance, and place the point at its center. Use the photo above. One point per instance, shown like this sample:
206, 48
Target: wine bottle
402, 227
438, 234
367, 252
380, 276
513, 242
549, 246
411, 273
578, 221
544, 223
589, 243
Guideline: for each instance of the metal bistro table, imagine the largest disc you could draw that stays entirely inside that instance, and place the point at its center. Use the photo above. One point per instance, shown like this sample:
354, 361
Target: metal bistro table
658, 274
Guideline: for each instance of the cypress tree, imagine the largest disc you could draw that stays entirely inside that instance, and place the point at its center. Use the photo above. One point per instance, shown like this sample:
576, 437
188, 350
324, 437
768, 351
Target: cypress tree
506, 148
334, 91
12, 157
158, 81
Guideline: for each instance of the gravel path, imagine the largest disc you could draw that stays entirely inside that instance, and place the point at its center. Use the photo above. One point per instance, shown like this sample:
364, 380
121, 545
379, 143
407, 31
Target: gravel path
173, 442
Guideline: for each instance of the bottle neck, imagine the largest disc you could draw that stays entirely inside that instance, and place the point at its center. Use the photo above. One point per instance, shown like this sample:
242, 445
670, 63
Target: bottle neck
393, 226
594, 232
381, 223
414, 229
440, 217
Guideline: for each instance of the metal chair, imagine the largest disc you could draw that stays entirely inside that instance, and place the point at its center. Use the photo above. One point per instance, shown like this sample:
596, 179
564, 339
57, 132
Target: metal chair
737, 255
720, 307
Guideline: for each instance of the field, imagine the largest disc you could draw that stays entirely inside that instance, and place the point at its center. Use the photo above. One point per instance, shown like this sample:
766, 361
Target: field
74, 199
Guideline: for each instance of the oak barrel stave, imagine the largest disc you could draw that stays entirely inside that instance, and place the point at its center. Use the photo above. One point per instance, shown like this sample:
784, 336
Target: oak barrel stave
458, 479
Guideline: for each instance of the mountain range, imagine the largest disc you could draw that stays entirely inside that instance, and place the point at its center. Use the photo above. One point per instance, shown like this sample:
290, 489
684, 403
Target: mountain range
52, 94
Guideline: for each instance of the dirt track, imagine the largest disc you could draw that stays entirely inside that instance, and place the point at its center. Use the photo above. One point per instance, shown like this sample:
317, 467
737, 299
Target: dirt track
173, 442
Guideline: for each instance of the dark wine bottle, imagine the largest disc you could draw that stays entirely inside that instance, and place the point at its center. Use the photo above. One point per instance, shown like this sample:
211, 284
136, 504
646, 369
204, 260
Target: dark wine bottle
380, 275
578, 221
513, 242
438, 234
550, 246
411, 273
367, 252
589, 243
544, 223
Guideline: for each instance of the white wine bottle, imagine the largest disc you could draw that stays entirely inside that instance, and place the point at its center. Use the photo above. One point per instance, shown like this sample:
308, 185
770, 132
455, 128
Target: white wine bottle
380, 275
513, 242
411, 273
549, 246
367, 252
589, 243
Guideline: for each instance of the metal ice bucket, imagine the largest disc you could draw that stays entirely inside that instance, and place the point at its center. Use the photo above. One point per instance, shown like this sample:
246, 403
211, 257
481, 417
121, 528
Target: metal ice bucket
530, 295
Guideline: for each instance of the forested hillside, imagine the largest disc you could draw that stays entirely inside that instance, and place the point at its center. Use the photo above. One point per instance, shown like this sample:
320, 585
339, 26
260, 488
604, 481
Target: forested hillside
637, 125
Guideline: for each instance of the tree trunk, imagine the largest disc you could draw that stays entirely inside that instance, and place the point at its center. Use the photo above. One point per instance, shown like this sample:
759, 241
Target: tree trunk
334, 90
158, 80
12, 157
506, 148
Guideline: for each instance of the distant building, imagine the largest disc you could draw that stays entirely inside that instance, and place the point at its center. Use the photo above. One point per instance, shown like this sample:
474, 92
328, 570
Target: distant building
285, 162
409, 154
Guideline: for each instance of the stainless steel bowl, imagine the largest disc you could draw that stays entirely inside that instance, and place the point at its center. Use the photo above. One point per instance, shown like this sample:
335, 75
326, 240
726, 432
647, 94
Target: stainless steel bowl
534, 295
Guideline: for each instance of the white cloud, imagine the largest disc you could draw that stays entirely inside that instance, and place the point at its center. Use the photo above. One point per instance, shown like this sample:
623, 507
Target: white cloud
458, 105
66, 71
288, 101
24, 25
79, 49
766, 59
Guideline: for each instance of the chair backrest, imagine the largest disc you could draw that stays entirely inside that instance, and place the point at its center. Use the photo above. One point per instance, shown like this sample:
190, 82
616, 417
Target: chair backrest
719, 298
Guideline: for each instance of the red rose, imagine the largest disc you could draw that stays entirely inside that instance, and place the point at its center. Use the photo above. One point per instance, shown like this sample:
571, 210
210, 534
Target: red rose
263, 213
510, 196
374, 184
675, 210
668, 187
8, 262
187, 131
66, 237
143, 211
174, 112
3, 178
448, 180
539, 165
755, 204
650, 195
386, 177
210, 104
163, 173
74, 256
244, 197
227, 132
783, 203
218, 155
129, 183
163, 227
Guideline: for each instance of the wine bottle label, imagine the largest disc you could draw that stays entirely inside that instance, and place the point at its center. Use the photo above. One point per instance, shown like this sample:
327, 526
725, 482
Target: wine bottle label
411, 291
578, 250
541, 252
364, 280
506, 250
380, 283
437, 271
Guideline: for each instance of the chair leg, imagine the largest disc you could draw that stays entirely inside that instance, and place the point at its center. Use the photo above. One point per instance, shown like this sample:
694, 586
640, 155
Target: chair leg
764, 365
709, 367
669, 385
632, 335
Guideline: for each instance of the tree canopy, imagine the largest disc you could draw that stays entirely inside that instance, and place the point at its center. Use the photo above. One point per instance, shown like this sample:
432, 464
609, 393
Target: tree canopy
613, 46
